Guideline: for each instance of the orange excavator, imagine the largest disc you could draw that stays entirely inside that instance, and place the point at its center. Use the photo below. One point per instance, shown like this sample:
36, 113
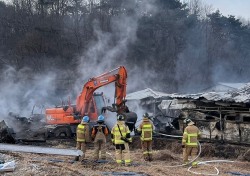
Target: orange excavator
62, 121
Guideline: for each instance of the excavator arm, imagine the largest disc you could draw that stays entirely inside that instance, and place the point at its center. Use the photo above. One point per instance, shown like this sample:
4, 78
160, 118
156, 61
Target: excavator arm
118, 75
66, 117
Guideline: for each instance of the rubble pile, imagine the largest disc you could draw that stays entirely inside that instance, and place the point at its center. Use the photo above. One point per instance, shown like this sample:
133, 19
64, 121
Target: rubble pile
5, 134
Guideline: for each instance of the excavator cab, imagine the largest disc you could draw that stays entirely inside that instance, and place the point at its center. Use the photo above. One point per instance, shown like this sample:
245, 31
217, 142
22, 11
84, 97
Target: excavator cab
99, 102
95, 106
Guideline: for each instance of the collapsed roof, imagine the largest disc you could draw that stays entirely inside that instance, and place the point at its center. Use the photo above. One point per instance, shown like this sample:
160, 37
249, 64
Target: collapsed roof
237, 95
241, 95
146, 93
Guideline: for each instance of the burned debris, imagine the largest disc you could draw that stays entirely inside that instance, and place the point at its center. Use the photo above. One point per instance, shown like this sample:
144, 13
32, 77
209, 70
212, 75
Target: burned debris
16, 128
5, 133
154, 102
221, 116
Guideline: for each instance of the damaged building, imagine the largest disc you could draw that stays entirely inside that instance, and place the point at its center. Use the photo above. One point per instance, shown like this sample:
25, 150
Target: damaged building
221, 114
156, 104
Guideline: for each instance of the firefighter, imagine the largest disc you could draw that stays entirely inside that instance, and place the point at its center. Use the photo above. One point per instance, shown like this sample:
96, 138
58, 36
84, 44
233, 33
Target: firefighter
146, 131
99, 134
82, 136
121, 139
190, 141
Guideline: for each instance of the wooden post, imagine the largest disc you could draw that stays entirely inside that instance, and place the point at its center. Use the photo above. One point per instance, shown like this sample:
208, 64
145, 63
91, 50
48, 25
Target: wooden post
222, 131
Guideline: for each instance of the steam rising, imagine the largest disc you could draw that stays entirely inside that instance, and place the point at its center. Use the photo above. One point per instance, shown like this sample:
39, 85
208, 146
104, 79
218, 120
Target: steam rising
111, 48
110, 51
20, 93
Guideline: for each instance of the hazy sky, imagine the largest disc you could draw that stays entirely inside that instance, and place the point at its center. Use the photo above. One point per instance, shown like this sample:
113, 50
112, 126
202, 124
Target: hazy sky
231, 7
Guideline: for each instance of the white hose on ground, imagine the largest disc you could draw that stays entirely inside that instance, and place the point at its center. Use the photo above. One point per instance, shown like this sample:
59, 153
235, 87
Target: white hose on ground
205, 163
199, 163
198, 173
216, 161
111, 155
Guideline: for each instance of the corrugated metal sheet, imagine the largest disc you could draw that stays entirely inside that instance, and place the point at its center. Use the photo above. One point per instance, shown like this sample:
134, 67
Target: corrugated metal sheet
241, 95
146, 93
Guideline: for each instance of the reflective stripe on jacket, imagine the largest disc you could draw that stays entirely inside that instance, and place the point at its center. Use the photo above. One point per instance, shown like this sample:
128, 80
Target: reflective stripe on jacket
80, 133
190, 136
116, 134
146, 129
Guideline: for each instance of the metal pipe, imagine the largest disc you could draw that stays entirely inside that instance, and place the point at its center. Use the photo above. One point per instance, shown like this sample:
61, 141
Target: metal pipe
37, 149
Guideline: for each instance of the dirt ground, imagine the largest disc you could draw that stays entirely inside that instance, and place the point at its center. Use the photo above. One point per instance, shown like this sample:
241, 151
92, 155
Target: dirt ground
165, 158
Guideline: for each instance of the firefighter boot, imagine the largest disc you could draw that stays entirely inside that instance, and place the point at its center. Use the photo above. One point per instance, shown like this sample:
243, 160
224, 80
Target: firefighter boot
150, 158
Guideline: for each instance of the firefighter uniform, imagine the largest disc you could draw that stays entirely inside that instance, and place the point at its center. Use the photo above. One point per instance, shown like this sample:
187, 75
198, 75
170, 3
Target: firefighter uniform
119, 133
99, 134
190, 141
146, 131
82, 136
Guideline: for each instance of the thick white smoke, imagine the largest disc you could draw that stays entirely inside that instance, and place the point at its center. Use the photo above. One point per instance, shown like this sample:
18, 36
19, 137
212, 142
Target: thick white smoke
21, 90
110, 49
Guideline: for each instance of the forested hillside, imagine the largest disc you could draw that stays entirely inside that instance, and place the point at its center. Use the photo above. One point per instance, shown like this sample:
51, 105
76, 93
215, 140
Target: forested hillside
165, 45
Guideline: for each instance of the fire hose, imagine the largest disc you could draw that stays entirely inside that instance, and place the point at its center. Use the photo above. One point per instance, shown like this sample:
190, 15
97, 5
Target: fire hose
111, 155
199, 163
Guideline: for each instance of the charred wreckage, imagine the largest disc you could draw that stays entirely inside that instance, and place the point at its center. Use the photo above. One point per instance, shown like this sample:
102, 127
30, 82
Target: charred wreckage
221, 115
16, 128
62, 120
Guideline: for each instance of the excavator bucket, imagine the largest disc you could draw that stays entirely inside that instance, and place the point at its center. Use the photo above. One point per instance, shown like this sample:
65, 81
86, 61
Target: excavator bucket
130, 120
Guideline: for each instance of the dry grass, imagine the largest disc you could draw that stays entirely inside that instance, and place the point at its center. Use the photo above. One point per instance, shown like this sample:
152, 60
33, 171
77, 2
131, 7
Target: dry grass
39, 165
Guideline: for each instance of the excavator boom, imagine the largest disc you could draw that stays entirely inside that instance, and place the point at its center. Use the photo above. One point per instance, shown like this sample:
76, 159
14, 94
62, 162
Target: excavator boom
118, 75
